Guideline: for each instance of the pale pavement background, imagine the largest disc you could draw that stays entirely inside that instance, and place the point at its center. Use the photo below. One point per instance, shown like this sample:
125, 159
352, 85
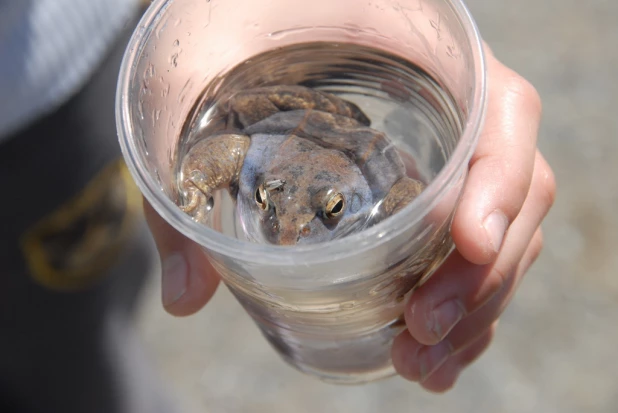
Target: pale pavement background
555, 350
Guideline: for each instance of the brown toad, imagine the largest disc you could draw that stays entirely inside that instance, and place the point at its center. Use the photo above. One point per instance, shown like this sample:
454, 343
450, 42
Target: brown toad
303, 166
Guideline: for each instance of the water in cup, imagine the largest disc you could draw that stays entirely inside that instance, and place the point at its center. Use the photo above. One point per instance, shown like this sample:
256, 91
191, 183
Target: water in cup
400, 100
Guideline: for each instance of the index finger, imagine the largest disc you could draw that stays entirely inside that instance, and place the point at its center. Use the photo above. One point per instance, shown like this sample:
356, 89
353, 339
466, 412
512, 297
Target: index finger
501, 167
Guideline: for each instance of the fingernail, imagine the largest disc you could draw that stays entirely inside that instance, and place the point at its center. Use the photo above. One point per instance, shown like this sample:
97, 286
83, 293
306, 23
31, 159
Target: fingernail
432, 357
495, 226
175, 276
445, 317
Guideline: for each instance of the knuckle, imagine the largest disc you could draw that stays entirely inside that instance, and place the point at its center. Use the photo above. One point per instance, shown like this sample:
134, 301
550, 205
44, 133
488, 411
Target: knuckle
550, 186
545, 183
525, 93
497, 281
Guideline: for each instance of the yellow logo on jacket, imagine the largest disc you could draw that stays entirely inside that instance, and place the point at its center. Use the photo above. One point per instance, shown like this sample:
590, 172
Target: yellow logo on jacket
74, 246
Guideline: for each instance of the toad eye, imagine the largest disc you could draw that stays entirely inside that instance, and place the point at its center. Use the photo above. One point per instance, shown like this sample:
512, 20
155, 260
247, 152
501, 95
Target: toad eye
334, 206
261, 198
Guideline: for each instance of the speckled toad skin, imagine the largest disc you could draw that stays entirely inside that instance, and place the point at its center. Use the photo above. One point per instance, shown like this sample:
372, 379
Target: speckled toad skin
303, 165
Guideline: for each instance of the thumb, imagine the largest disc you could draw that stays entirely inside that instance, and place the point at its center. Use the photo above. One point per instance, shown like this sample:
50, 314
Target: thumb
188, 279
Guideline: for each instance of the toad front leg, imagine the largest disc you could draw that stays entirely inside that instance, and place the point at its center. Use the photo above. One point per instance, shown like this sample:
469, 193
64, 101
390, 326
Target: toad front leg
213, 163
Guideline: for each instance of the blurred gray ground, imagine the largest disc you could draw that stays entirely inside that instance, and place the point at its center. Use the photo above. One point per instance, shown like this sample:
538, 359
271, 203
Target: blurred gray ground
555, 350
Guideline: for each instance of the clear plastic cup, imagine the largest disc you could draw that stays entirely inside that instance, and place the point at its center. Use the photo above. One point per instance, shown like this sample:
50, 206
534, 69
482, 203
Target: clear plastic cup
330, 310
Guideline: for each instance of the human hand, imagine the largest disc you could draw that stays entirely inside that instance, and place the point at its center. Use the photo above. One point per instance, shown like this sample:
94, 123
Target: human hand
451, 319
